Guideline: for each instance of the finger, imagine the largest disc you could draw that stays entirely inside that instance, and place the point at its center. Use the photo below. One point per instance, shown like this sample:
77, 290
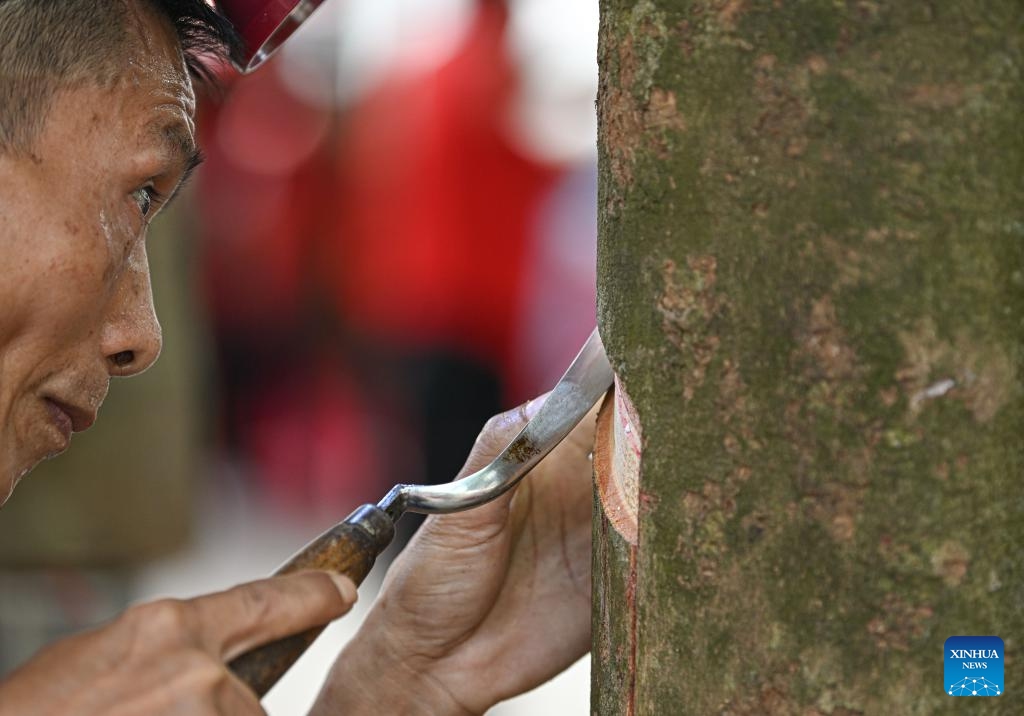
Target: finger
249, 615
473, 528
498, 432
186, 682
476, 528
234, 697
563, 479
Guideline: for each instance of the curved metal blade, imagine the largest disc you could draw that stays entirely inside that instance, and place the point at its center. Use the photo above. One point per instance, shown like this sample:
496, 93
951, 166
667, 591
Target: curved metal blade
587, 379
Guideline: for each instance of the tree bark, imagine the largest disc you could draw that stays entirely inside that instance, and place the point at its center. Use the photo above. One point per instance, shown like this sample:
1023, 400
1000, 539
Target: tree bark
811, 285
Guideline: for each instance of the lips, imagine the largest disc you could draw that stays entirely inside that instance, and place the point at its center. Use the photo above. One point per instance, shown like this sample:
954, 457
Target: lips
70, 418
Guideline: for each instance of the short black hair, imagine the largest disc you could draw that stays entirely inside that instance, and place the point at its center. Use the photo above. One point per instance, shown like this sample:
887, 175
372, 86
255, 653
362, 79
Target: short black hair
202, 32
49, 45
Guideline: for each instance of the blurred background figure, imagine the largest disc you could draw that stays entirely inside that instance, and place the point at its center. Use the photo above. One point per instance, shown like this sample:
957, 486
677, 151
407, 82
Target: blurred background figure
392, 239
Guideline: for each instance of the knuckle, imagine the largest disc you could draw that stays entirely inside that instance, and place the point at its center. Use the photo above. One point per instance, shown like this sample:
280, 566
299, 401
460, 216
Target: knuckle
166, 618
203, 669
496, 433
495, 422
208, 705
497, 425
232, 697
209, 672
202, 675
256, 601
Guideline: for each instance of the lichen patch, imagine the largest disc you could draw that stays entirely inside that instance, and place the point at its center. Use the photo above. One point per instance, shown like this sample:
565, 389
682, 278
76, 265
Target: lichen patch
853, 266
817, 65
661, 112
728, 12
783, 109
829, 357
830, 379
688, 304
899, 623
620, 117
988, 376
704, 515
950, 562
981, 375
941, 96
835, 505
922, 352
633, 114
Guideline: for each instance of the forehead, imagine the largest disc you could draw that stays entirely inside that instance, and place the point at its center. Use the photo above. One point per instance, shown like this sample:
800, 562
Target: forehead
153, 57
149, 96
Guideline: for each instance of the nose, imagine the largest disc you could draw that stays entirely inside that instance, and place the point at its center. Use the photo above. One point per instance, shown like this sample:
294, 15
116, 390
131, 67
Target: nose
132, 337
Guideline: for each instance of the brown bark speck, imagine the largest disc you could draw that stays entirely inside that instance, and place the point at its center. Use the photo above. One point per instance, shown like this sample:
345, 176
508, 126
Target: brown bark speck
899, 623
824, 343
661, 112
984, 376
687, 305
940, 97
728, 12
950, 562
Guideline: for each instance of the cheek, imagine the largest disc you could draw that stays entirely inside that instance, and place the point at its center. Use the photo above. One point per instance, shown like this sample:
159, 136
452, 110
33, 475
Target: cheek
121, 227
65, 281
83, 271
136, 258
65, 237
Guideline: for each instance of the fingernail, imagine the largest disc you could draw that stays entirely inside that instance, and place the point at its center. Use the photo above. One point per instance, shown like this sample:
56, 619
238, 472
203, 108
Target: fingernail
346, 587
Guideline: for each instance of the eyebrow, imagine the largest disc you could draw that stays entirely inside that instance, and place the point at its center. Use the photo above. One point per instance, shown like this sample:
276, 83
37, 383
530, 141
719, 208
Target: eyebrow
181, 144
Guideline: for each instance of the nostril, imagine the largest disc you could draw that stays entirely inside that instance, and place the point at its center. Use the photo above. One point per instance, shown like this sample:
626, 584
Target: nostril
123, 359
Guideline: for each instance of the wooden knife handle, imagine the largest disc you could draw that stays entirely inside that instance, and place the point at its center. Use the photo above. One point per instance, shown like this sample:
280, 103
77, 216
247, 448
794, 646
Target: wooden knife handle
350, 547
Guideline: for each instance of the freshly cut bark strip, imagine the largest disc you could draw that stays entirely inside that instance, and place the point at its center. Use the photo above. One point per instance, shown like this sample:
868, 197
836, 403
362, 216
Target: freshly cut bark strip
617, 463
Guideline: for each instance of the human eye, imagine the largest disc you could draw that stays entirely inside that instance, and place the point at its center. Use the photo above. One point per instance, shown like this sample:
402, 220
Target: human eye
145, 197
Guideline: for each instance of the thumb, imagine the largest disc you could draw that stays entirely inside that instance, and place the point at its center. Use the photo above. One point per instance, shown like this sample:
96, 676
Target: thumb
249, 615
476, 526
498, 432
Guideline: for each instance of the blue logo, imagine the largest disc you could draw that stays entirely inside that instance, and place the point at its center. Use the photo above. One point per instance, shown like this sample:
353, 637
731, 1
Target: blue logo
974, 666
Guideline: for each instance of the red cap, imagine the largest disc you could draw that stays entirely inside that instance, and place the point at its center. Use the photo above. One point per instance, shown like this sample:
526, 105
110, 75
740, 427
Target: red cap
265, 24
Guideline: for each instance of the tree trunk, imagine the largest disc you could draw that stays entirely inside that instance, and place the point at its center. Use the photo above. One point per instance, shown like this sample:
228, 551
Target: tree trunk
811, 285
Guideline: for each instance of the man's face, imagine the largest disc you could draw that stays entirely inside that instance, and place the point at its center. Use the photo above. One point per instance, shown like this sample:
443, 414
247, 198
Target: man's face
75, 301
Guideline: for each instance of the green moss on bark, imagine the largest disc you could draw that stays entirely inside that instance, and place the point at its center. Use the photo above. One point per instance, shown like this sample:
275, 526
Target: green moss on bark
810, 281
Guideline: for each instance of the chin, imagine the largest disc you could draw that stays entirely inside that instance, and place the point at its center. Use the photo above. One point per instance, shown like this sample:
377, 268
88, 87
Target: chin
7, 484
9, 479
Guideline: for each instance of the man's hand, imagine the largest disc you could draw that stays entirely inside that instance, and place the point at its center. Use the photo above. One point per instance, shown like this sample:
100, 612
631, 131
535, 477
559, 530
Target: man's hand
485, 604
168, 657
